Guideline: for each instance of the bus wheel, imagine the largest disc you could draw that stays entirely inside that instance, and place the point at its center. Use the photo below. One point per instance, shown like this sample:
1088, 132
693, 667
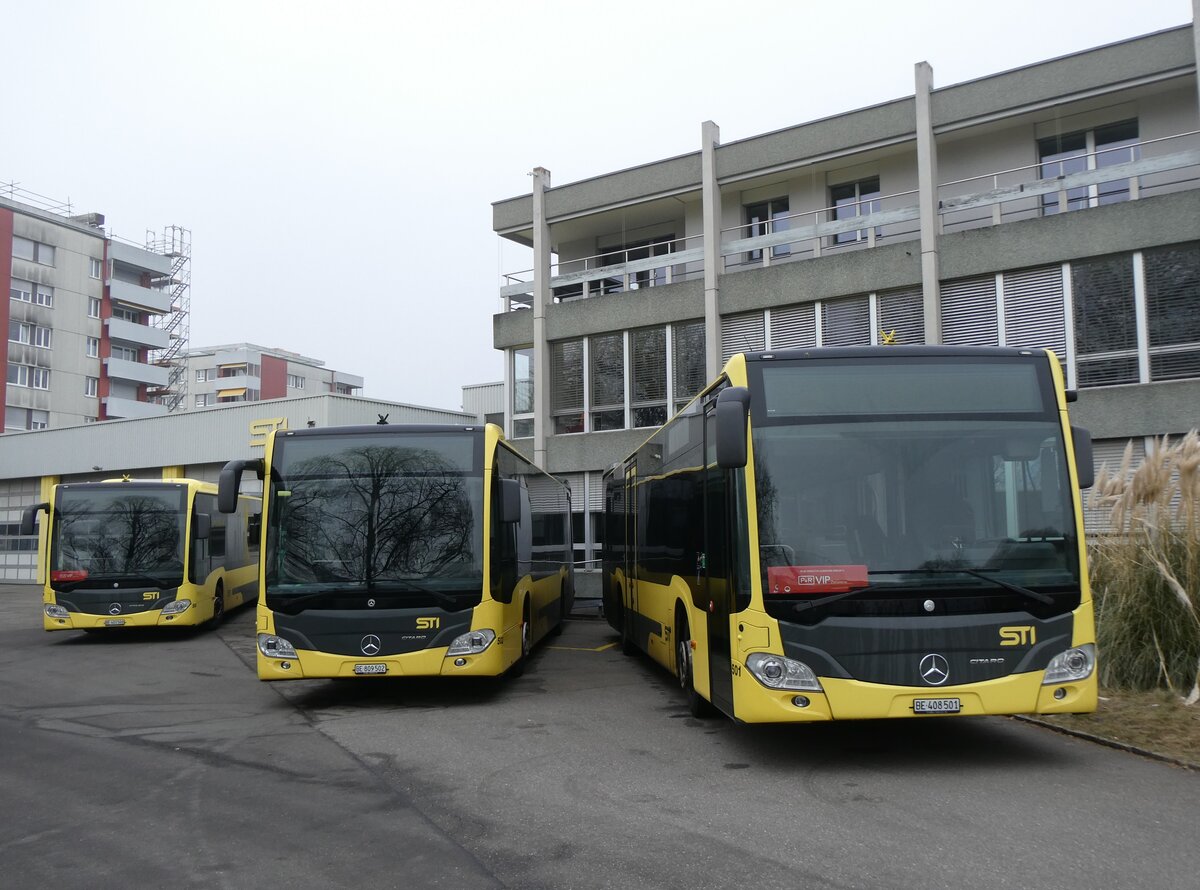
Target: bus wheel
519, 665
218, 605
698, 706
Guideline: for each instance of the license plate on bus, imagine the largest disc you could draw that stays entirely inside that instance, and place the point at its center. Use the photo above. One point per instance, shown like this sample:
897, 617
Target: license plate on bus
936, 705
370, 668
113, 622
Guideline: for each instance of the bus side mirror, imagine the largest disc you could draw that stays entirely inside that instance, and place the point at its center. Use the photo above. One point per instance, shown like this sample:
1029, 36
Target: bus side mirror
203, 526
733, 411
1085, 463
510, 500
29, 518
230, 482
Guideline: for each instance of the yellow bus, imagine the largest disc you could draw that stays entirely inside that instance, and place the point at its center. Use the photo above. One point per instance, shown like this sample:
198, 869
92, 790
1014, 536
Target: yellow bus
850, 533
144, 553
405, 550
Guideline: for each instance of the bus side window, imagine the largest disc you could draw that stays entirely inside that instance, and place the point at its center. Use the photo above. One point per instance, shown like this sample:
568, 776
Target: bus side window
253, 530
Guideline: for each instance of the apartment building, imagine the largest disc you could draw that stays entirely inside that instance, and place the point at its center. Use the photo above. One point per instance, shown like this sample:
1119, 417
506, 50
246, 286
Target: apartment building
91, 320
1055, 205
243, 372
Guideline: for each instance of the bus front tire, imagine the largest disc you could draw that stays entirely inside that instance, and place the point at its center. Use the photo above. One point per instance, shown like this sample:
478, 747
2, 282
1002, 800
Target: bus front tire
518, 667
698, 705
218, 606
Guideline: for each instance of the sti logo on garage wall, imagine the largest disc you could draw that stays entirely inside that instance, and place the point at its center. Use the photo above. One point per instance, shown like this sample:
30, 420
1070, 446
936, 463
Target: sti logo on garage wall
261, 429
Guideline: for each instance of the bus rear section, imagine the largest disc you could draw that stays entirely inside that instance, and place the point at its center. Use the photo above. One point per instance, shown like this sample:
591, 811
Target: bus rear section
405, 551
902, 537
143, 553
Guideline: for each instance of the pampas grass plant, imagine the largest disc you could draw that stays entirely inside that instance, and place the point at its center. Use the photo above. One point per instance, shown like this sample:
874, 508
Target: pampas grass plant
1145, 570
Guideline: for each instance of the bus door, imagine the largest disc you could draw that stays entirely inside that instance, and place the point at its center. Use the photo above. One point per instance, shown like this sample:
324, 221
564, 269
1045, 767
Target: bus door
718, 589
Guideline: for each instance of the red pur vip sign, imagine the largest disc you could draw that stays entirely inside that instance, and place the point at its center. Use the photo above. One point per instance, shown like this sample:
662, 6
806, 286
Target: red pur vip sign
803, 580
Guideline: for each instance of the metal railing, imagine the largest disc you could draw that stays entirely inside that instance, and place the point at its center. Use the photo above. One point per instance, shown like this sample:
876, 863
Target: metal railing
1156, 167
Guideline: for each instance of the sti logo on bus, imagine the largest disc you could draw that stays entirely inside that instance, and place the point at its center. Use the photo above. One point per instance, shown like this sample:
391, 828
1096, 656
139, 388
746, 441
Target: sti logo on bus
1018, 636
428, 623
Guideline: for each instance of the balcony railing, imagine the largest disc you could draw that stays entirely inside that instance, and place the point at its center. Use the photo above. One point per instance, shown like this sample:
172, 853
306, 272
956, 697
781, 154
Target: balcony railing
988, 199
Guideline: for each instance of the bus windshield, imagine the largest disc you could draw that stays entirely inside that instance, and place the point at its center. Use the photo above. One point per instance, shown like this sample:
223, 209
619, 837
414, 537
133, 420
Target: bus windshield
960, 485
120, 534
397, 516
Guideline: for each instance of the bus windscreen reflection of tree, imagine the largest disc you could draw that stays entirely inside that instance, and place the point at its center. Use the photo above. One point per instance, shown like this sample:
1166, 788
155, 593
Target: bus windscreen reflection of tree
374, 513
131, 534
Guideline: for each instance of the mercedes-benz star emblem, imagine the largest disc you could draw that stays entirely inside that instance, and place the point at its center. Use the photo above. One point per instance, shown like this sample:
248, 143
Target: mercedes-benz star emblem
935, 670
114, 609
370, 645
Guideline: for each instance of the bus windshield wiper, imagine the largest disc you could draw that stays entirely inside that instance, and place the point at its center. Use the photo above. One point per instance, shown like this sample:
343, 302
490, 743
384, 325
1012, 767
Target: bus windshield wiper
1007, 585
833, 598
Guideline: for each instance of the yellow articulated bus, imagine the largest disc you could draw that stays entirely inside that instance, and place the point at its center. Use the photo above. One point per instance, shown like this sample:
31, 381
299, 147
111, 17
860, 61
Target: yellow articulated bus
853, 533
405, 550
144, 553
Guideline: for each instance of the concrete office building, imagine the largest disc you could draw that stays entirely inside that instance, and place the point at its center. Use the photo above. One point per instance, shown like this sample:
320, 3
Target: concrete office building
94, 323
243, 372
194, 444
1055, 205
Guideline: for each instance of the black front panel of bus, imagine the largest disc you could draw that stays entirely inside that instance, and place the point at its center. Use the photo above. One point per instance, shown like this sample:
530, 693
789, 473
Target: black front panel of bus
114, 601
341, 632
891, 651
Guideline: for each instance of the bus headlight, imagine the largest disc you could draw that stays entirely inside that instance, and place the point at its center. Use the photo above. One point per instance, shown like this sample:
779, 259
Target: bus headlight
1074, 664
176, 606
275, 647
57, 611
472, 643
777, 672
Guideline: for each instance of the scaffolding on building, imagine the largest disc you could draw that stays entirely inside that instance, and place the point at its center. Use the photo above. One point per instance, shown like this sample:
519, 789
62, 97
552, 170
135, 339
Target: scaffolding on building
174, 242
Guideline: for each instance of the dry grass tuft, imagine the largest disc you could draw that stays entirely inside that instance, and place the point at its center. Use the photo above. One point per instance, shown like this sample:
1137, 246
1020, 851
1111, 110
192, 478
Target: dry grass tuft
1146, 570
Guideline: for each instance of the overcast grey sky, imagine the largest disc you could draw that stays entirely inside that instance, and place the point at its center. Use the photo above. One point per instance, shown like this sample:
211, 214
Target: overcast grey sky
336, 162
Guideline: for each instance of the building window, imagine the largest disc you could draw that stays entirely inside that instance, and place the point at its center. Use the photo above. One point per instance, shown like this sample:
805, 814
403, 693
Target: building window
39, 420
1106, 350
126, 353
523, 384
1172, 277
95, 267
43, 296
93, 347
1088, 150
232, 371
126, 314
21, 290
29, 334
91, 386
852, 200
33, 251
648, 376
24, 419
566, 397
93, 307
687, 355
606, 359
28, 375
204, 399
203, 375
295, 381
763, 219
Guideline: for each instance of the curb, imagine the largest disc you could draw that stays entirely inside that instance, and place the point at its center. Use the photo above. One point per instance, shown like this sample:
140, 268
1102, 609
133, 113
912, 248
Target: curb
1108, 743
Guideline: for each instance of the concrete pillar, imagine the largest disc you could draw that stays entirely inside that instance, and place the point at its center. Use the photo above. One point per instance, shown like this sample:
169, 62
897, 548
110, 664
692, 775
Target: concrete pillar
710, 136
928, 202
541, 299
1196, 45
